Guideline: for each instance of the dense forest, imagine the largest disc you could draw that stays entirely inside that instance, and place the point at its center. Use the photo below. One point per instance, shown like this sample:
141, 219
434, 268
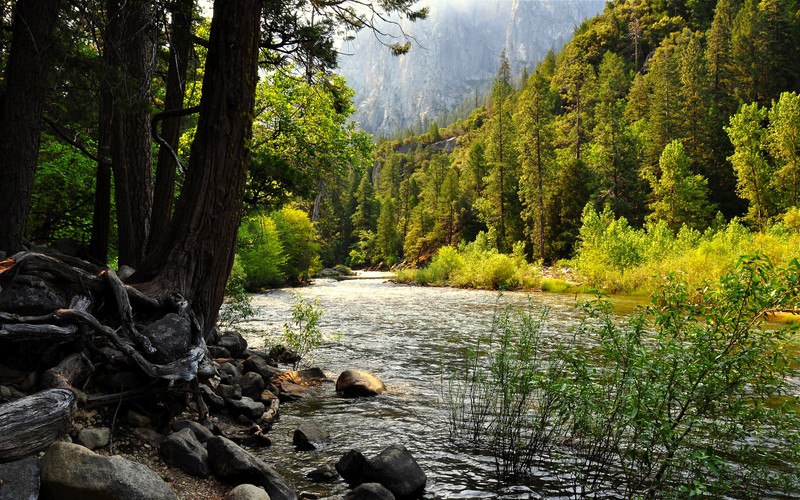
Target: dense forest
663, 117
668, 115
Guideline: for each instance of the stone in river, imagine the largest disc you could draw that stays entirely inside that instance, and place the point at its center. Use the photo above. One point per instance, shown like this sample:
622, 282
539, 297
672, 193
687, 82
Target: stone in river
354, 384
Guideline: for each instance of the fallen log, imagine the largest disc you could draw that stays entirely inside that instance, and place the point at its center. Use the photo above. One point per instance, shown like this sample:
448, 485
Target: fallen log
33, 423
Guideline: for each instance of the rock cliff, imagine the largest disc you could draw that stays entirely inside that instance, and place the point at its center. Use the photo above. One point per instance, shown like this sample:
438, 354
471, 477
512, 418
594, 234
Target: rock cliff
454, 57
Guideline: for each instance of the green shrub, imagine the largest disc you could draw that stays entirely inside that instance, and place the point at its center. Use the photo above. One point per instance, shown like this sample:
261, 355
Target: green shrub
500, 396
300, 244
303, 334
261, 253
476, 265
615, 258
554, 285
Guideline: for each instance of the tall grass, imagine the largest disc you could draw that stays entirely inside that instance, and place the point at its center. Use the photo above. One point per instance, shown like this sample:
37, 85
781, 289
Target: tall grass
616, 258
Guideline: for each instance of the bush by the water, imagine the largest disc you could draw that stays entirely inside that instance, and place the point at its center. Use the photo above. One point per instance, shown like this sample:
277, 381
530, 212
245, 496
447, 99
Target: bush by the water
277, 248
476, 265
689, 397
303, 334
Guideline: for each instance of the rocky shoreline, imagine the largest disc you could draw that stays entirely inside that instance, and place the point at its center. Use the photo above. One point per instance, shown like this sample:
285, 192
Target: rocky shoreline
106, 392
136, 449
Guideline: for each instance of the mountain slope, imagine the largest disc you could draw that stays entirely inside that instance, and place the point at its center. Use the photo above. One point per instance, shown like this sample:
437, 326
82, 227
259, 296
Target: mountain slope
455, 56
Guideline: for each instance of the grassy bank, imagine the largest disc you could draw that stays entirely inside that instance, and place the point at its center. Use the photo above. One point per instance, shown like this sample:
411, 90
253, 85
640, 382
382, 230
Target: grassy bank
612, 257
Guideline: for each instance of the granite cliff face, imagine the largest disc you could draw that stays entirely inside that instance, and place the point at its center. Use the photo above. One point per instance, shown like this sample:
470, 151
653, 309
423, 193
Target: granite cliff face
455, 56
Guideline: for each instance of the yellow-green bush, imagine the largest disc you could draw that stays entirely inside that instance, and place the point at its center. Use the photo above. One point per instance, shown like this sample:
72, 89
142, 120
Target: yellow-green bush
476, 265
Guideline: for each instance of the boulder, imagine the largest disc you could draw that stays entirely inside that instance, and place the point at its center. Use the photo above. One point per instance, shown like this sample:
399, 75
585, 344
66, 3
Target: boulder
137, 419
246, 407
252, 385
211, 398
354, 384
369, 491
247, 492
291, 392
233, 342
200, 431
310, 436
283, 354
258, 352
29, 297
259, 365
20, 479
72, 472
218, 352
94, 438
324, 474
229, 373
183, 450
398, 471
148, 436
227, 392
171, 336
307, 378
230, 462
351, 467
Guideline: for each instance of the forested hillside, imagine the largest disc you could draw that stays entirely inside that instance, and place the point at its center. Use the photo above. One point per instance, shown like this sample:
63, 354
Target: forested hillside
660, 124
674, 115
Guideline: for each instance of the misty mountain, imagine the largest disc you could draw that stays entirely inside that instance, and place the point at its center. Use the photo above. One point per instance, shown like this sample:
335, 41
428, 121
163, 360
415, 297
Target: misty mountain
455, 56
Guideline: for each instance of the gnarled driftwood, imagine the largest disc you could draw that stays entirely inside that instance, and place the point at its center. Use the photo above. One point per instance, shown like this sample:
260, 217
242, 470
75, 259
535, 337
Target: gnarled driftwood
31, 424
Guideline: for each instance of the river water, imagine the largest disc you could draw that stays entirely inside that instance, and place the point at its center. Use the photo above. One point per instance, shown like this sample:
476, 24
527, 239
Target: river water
407, 336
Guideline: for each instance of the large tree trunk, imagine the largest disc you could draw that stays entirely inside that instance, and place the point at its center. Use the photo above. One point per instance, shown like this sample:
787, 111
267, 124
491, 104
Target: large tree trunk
180, 51
101, 218
130, 48
21, 118
196, 255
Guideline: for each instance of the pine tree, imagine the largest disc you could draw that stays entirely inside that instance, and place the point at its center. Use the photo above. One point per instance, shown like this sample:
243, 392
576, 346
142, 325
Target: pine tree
679, 198
663, 110
365, 216
387, 238
613, 153
719, 56
499, 201
535, 122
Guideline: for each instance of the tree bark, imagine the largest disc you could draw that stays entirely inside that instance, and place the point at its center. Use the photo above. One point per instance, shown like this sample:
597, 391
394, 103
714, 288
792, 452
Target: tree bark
180, 51
21, 114
196, 255
130, 47
101, 218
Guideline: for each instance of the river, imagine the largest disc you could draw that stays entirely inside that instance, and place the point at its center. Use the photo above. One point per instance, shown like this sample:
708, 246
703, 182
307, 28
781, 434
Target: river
406, 336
